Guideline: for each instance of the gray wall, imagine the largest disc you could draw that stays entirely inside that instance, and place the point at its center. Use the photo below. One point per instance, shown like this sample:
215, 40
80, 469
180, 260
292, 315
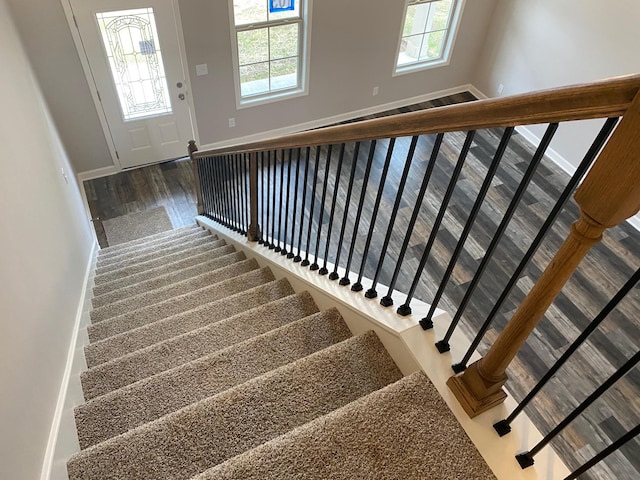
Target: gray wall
45, 247
47, 39
353, 46
533, 45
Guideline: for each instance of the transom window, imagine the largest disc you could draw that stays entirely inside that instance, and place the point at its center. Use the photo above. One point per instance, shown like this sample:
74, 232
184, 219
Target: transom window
427, 33
270, 46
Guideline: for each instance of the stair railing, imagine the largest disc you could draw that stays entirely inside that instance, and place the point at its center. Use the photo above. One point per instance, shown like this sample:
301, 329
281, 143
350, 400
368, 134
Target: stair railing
291, 194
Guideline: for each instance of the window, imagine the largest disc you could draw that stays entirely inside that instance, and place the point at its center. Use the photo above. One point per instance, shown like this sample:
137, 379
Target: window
270, 39
427, 34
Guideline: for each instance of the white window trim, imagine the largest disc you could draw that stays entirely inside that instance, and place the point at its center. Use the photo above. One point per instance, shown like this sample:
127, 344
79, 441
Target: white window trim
277, 96
449, 43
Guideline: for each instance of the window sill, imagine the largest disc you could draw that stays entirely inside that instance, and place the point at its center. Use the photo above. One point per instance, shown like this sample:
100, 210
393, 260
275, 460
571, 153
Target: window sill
418, 67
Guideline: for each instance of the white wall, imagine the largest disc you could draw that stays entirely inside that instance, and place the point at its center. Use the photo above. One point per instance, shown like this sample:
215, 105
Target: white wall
534, 45
353, 48
45, 247
47, 39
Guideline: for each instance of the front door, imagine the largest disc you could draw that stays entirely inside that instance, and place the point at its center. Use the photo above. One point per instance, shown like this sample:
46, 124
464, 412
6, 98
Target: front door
133, 52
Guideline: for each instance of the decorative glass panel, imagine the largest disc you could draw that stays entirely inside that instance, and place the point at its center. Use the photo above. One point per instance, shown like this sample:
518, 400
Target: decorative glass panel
131, 44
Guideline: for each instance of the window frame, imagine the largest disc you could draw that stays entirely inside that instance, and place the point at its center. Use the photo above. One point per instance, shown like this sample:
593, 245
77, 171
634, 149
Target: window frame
448, 43
303, 55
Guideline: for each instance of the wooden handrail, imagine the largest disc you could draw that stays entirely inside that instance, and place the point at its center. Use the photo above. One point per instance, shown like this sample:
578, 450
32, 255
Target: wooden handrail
606, 98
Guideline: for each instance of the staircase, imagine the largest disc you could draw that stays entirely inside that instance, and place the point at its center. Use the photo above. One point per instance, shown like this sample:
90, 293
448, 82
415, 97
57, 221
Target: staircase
204, 365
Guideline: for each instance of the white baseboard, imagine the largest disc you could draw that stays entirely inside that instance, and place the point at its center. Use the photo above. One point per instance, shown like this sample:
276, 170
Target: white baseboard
99, 172
323, 122
63, 440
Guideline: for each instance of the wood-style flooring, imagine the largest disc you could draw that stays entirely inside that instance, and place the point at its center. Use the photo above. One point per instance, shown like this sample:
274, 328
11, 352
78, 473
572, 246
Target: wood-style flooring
599, 277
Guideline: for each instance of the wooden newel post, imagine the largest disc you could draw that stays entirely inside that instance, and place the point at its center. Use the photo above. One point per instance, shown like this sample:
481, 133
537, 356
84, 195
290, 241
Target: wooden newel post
609, 195
193, 148
253, 233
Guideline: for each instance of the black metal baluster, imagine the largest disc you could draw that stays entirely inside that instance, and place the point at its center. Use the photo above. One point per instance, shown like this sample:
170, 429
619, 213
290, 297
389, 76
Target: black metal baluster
493, 168
280, 154
204, 184
272, 244
245, 181
443, 345
298, 257
605, 453
238, 186
217, 171
227, 189
295, 203
260, 161
266, 225
387, 301
357, 287
336, 188
306, 262
503, 426
525, 459
347, 204
234, 194
589, 158
286, 225
213, 172
363, 193
406, 307
314, 265
372, 293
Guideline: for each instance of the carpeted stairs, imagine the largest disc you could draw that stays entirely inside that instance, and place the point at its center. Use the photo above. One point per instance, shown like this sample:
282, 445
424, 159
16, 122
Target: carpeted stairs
203, 365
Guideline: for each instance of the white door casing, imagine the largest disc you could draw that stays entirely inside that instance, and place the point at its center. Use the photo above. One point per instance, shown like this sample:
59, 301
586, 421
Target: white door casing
134, 59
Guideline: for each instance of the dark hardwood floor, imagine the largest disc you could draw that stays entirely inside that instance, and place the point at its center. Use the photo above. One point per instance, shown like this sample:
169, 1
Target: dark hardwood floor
599, 277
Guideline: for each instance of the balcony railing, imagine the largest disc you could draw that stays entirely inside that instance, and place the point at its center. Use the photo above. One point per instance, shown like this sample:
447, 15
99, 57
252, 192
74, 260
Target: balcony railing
324, 198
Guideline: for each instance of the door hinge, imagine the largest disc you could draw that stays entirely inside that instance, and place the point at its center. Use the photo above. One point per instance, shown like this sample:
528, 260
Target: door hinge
75, 21
117, 156
99, 97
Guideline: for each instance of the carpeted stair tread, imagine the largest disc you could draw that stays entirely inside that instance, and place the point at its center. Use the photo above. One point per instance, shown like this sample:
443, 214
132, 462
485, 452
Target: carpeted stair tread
245, 275
189, 441
167, 279
166, 392
219, 332
132, 269
133, 339
164, 247
404, 431
195, 285
157, 272
149, 239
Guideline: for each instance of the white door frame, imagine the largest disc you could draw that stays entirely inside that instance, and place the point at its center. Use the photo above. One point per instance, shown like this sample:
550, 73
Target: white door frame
68, 10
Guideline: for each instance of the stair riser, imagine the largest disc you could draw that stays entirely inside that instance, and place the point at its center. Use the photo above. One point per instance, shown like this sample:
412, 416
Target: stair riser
202, 337
146, 266
195, 286
148, 240
155, 248
167, 280
156, 273
185, 303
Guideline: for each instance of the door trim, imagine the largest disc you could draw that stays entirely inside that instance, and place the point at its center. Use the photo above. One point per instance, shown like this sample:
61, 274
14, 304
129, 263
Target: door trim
84, 60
